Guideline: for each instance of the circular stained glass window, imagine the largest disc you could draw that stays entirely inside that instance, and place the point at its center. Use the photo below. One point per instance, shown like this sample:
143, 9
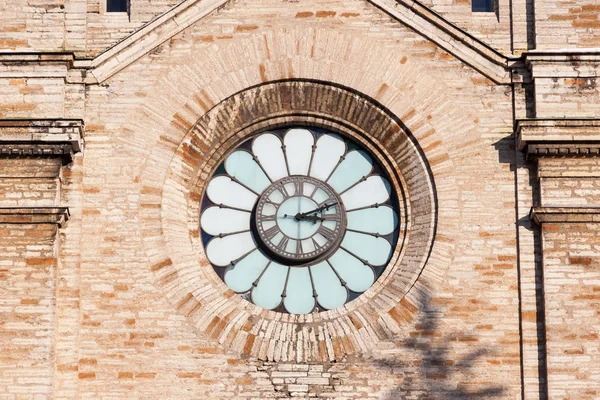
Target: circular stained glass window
299, 220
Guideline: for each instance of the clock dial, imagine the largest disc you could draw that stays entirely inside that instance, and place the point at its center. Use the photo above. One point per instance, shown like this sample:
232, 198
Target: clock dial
299, 220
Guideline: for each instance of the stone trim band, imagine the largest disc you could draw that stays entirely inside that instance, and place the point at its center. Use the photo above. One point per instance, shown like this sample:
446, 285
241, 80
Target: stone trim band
34, 215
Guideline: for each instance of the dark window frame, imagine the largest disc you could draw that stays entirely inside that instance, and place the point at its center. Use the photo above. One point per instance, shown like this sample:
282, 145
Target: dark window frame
117, 6
483, 6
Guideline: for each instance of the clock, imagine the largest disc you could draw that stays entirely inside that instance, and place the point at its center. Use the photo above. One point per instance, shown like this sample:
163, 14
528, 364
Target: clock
299, 220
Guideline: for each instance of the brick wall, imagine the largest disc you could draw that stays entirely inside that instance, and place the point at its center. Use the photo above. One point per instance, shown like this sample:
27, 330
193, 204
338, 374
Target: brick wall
572, 294
27, 283
565, 24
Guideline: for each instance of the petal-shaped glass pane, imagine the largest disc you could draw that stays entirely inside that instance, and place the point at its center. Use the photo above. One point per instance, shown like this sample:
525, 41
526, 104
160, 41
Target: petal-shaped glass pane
267, 148
242, 166
358, 276
374, 190
375, 250
299, 293
222, 190
217, 220
382, 220
221, 251
298, 149
240, 276
356, 165
329, 150
267, 294
330, 292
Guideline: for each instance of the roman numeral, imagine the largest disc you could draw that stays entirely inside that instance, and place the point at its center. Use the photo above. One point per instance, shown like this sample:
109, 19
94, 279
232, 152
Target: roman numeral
299, 186
271, 232
266, 218
317, 247
299, 247
283, 243
329, 217
326, 232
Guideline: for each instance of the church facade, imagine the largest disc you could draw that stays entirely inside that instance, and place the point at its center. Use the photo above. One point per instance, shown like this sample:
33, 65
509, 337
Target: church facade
454, 252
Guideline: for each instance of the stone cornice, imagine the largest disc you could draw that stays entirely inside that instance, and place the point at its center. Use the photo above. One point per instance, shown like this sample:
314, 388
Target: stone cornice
454, 40
558, 137
410, 13
563, 63
51, 137
556, 215
34, 215
147, 38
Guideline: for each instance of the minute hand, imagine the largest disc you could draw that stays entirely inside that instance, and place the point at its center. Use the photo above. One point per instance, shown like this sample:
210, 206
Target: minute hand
323, 207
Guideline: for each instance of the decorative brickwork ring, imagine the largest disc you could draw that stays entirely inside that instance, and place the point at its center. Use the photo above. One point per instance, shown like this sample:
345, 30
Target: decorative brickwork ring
188, 277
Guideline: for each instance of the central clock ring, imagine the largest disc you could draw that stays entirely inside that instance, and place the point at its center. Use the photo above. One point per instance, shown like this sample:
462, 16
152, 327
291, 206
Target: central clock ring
299, 220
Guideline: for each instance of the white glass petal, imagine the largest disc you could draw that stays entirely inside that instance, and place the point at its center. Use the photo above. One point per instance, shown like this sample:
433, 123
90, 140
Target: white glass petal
222, 190
330, 292
299, 293
329, 150
374, 190
375, 250
267, 148
356, 165
221, 251
242, 166
382, 220
358, 276
217, 220
298, 149
240, 276
267, 294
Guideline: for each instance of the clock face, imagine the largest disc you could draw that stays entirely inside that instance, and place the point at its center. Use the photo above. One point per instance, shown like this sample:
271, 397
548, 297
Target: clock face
299, 220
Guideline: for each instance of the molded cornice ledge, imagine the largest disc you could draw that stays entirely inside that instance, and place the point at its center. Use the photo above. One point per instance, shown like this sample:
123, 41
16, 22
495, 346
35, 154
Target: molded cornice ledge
457, 42
563, 63
34, 215
559, 137
146, 39
50, 137
557, 215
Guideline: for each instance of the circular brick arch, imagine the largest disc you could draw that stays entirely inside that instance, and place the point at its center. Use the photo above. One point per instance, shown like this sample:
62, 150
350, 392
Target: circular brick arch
186, 276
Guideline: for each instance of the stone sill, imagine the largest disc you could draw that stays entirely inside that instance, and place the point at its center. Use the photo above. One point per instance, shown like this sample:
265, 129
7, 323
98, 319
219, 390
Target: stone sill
555, 215
558, 137
34, 215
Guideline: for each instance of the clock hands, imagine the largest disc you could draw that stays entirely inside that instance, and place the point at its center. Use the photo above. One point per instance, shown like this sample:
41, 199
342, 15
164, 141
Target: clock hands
311, 218
301, 216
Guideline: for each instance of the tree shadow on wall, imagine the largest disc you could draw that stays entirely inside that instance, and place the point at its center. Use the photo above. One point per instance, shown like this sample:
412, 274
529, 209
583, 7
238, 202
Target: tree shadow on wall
437, 374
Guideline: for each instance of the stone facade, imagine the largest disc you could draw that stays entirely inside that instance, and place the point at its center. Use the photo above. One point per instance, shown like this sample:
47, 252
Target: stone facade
111, 124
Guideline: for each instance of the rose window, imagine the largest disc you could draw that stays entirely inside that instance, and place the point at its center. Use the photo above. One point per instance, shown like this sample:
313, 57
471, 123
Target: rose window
299, 220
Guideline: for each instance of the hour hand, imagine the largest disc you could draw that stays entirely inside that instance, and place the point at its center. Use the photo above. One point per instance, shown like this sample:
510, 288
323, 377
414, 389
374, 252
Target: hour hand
325, 206
313, 218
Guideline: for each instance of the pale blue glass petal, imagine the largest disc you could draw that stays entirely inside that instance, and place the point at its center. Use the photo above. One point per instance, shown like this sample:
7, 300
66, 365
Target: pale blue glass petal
267, 148
330, 292
376, 250
382, 220
299, 293
329, 150
221, 251
358, 276
217, 220
298, 149
240, 276
242, 166
356, 165
222, 190
267, 294
374, 190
